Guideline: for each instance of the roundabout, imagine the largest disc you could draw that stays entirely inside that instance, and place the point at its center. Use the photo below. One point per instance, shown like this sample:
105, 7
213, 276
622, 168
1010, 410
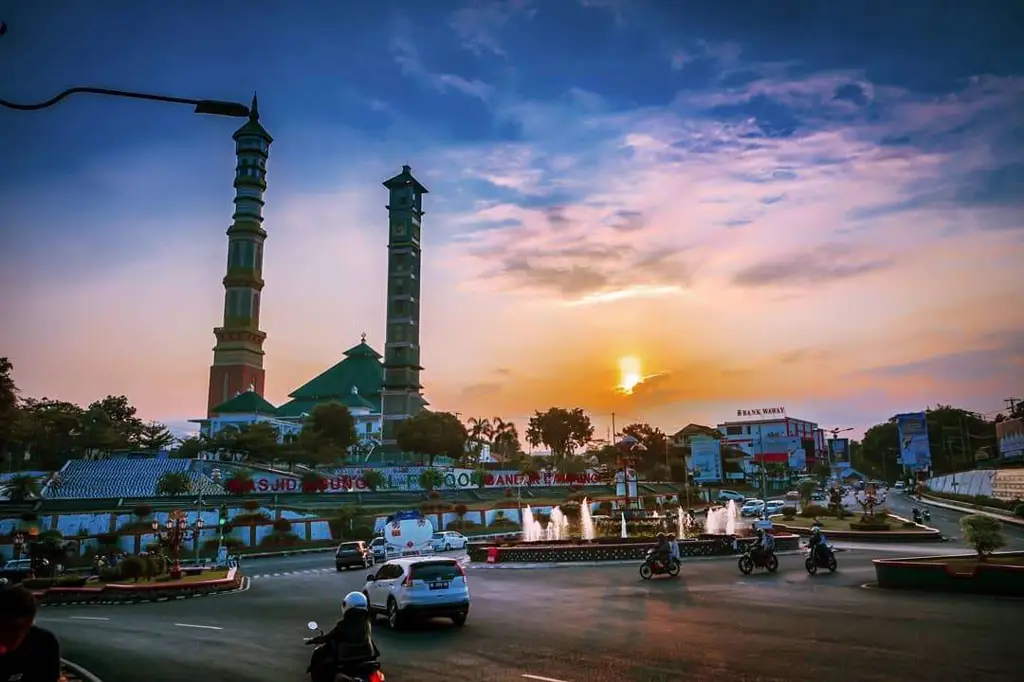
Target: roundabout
599, 623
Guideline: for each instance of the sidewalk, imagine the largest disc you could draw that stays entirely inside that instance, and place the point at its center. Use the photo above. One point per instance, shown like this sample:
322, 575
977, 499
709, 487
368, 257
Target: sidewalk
1004, 518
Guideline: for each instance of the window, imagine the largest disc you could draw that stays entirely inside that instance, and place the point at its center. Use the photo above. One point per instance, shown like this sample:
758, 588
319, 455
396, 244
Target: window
398, 286
259, 258
400, 308
255, 306
733, 430
435, 570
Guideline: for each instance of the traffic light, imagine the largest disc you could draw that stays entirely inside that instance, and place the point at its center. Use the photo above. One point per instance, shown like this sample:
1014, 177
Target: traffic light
222, 517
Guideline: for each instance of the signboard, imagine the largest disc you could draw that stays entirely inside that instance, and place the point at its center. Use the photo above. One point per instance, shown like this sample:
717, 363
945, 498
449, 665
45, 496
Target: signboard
915, 451
784, 450
1010, 433
762, 412
706, 456
839, 451
1008, 485
342, 480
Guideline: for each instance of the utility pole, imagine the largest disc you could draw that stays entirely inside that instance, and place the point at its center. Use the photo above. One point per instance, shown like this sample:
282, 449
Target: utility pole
1011, 404
613, 429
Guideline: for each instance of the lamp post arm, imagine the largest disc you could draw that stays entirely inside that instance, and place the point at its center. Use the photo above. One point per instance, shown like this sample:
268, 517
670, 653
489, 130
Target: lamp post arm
202, 106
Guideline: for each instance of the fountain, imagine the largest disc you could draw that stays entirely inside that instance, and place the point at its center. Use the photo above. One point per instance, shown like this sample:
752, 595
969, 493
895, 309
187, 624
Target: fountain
558, 526
586, 520
623, 532
532, 531
683, 524
723, 520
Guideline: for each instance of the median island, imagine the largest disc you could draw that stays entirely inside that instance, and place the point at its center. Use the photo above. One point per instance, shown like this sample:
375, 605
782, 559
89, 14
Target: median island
984, 572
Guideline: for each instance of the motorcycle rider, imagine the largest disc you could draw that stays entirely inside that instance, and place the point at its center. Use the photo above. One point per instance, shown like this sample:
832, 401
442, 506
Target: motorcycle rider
916, 514
351, 641
762, 546
663, 551
818, 544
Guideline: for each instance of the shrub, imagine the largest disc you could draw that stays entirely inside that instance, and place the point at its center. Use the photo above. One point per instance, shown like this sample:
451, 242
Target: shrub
434, 495
107, 539
812, 510
251, 505
788, 512
133, 568
142, 510
29, 516
250, 518
984, 532
461, 510
282, 526
279, 540
461, 524
361, 531
109, 573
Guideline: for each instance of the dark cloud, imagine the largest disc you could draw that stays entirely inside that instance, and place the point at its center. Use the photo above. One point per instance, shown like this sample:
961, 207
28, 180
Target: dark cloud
556, 216
572, 280
1001, 355
768, 201
819, 266
503, 371
629, 221
480, 390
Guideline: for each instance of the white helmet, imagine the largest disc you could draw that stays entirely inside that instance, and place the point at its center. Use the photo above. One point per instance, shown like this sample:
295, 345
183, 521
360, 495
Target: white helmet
354, 600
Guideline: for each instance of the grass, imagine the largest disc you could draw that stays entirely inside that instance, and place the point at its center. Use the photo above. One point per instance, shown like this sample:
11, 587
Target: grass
202, 577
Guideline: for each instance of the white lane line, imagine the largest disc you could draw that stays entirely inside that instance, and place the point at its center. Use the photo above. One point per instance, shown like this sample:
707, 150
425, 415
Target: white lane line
86, 618
542, 679
201, 627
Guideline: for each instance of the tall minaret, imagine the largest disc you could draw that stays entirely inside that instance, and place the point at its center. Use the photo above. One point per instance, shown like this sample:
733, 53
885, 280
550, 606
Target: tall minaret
238, 355
400, 391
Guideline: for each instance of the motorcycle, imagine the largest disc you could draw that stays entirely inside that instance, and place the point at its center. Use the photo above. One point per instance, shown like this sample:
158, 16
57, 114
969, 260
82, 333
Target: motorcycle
754, 558
816, 560
353, 671
652, 566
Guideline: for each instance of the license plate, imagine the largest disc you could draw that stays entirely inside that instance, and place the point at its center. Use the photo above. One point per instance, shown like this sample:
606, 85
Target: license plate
439, 585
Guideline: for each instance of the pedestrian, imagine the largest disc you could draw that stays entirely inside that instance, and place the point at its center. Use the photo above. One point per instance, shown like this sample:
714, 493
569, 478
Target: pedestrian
27, 653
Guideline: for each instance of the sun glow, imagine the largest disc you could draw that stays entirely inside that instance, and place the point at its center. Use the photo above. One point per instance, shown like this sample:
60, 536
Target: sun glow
630, 373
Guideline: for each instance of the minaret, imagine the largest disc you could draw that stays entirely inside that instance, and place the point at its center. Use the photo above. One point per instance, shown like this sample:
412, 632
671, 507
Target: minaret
238, 355
400, 391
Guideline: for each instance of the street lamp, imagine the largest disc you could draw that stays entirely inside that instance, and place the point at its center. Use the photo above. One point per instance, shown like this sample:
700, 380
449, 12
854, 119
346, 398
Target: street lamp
19, 543
211, 107
176, 531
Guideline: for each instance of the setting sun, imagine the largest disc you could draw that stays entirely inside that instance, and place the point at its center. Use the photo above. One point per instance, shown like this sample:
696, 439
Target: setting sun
630, 374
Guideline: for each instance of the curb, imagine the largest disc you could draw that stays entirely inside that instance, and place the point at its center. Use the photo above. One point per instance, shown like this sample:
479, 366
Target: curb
72, 672
241, 588
1003, 518
515, 565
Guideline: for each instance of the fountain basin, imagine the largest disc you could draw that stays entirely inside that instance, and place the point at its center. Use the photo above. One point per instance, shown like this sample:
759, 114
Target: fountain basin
613, 549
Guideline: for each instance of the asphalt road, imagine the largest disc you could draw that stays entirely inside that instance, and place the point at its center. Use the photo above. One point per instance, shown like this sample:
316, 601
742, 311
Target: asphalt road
947, 521
600, 624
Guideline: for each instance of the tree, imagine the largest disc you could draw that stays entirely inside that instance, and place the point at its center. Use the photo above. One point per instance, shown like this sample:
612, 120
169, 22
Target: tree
654, 441
122, 417
328, 433
50, 429
561, 430
258, 441
240, 483
433, 434
192, 447
154, 437
20, 488
174, 483
984, 532
373, 479
9, 413
806, 488
504, 440
431, 479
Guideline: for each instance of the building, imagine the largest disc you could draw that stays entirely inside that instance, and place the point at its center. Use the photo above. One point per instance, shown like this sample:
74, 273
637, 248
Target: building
401, 391
775, 438
238, 355
355, 382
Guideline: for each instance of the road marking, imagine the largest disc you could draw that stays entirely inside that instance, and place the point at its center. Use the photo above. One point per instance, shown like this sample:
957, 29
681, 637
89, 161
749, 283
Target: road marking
542, 679
86, 618
201, 627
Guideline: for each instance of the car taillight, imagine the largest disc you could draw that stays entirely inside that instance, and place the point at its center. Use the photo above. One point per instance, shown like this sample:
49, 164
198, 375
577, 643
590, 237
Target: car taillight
376, 676
462, 571
408, 580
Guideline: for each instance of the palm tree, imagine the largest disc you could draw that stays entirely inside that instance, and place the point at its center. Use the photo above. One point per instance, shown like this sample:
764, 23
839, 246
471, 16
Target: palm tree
504, 439
20, 488
431, 479
174, 483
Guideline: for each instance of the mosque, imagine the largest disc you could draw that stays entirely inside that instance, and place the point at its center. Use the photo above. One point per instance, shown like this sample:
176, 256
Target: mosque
380, 391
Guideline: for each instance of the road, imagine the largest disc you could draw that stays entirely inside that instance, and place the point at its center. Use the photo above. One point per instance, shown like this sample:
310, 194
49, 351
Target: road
600, 624
947, 521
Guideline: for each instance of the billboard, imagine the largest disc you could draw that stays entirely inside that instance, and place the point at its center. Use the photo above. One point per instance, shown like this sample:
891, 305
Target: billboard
706, 456
1010, 433
783, 450
839, 451
915, 451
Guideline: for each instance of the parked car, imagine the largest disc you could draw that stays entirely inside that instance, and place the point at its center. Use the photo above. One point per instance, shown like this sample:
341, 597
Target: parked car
353, 554
818, 496
448, 540
774, 506
752, 508
379, 549
726, 495
419, 587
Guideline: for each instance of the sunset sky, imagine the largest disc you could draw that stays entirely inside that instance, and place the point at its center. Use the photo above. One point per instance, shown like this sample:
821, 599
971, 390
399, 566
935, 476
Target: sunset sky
820, 208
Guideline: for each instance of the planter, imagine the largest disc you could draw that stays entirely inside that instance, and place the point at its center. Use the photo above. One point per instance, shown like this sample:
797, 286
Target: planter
936, 573
901, 536
126, 593
612, 549
870, 527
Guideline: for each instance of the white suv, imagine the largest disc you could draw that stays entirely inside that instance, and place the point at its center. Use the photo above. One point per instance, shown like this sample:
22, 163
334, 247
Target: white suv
422, 587
448, 540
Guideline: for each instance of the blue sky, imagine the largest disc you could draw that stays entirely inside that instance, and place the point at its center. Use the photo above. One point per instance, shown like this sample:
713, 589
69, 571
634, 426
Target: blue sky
737, 162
